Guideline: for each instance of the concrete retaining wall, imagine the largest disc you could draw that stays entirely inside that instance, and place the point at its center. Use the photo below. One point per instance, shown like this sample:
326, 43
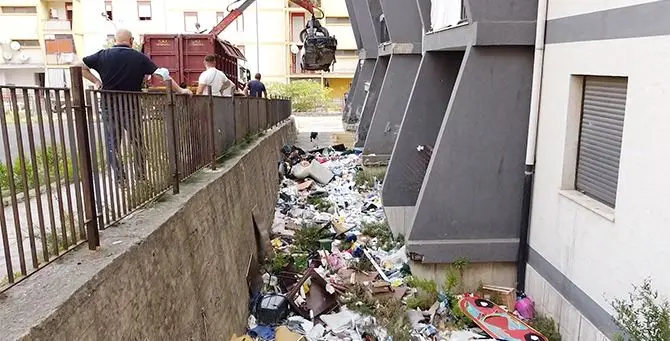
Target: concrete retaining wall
173, 271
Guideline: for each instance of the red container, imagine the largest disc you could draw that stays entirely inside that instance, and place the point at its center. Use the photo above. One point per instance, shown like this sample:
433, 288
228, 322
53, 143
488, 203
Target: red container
183, 55
165, 51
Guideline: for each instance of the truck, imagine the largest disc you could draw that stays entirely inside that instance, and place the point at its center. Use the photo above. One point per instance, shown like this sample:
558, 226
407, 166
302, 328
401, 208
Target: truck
183, 54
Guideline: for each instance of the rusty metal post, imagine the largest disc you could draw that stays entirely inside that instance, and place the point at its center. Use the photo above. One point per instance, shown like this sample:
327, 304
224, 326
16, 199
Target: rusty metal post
78, 106
172, 137
212, 137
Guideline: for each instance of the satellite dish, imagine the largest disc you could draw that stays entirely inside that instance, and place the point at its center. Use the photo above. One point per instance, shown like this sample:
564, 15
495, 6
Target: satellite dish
15, 45
295, 49
7, 55
24, 57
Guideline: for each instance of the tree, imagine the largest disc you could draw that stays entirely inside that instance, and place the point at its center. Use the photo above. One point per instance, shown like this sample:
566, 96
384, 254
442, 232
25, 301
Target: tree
306, 95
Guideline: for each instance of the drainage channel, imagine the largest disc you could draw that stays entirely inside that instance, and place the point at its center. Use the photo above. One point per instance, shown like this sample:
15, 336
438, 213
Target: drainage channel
334, 271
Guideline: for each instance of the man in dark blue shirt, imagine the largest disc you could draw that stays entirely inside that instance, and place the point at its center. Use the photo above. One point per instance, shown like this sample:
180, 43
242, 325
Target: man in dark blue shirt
256, 88
122, 68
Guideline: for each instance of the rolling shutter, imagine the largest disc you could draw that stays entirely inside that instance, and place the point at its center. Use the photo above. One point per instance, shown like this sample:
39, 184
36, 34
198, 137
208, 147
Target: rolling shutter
601, 131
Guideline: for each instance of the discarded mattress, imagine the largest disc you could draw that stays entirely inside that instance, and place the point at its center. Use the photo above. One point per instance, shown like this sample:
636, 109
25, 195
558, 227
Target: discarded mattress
314, 170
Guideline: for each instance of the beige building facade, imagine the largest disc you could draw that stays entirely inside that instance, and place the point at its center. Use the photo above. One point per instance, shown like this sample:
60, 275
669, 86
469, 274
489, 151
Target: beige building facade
55, 33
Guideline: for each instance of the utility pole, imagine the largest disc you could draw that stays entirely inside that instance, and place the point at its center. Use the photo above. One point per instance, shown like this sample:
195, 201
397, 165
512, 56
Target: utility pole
258, 44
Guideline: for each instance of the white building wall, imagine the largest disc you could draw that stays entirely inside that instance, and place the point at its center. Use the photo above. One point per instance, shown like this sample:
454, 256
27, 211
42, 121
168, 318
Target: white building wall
19, 67
19, 77
599, 249
565, 8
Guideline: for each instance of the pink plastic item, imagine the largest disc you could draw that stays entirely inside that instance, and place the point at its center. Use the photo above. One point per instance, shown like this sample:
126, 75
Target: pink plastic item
526, 308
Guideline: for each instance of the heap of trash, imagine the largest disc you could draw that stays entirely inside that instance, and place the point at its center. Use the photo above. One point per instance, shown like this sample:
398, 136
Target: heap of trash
337, 273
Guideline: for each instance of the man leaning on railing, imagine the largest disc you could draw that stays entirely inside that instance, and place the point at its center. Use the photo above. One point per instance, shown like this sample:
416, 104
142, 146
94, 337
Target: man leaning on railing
122, 68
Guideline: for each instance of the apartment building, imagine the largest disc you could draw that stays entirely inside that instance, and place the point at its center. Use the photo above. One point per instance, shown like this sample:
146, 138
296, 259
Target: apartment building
22, 60
443, 101
53, 34
600, 200
279, 24
462, 165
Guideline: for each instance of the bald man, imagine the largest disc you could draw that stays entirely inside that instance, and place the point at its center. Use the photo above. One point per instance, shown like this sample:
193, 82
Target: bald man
122, 68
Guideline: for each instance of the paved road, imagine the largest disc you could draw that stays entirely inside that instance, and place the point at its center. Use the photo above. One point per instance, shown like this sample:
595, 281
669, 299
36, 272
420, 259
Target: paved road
324, 125
13, 140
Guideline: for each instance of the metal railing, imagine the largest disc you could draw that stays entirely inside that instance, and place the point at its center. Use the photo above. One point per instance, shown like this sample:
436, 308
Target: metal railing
74, 161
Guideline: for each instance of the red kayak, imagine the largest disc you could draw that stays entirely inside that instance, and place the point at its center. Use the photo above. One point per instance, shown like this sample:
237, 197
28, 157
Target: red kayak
496, 322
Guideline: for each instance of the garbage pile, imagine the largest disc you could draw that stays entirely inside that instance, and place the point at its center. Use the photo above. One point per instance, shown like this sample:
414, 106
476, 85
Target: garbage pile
337, 273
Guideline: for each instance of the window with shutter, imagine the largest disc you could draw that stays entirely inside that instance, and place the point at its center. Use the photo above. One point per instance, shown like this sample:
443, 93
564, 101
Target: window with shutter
600, 137
144, 10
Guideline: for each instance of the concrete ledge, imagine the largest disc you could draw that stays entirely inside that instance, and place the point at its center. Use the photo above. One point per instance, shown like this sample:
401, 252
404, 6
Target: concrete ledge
476, 250
388, 49
175, 270
459, 37
367, 54
455, 38
376, 160
520, 33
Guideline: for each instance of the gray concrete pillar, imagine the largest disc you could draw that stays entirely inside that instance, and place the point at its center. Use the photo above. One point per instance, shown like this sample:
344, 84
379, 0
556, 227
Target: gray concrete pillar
357, 96
372, 90
346, 113
402, 21
424, 13
420, 126
374, 10
405, 32
354, 23
388, 113
470, 201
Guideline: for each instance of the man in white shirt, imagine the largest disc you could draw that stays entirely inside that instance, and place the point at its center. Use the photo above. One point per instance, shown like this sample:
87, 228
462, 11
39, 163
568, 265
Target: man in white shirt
221, 85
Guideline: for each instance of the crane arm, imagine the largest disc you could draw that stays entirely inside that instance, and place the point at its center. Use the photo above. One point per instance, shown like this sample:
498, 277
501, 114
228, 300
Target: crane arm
234, 14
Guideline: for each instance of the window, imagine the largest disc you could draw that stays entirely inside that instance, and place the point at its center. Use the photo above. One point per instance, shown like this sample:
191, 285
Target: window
108, 10
68, 11
61, 43
29, 43
297, 25
239, 23
144, 10
384, 29
219, 17
19, 9
337, 20
463, 14
190, 21
600, 137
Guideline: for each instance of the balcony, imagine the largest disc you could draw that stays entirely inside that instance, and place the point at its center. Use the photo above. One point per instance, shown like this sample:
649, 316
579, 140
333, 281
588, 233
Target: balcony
316, 3
57, 25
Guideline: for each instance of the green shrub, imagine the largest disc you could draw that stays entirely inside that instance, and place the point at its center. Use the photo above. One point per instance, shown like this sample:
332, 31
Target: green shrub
307, 238
643, 315
51, 161
305, 95
546, 326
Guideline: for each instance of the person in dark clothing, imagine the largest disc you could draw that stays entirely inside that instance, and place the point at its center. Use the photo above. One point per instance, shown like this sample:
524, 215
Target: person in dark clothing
122, 68
255, 88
